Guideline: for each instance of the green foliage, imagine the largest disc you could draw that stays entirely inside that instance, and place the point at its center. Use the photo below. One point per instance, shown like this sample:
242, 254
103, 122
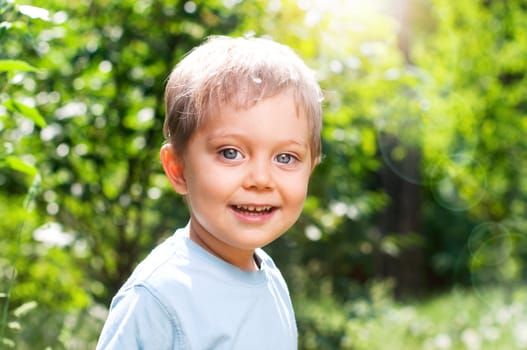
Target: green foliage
478, 182
8, 271
25, 269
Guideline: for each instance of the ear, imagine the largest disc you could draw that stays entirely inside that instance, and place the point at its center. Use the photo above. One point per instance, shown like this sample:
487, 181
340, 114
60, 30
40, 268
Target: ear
173, 166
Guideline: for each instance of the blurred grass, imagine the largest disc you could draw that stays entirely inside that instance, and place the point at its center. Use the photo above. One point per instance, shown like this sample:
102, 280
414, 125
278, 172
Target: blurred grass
460, 319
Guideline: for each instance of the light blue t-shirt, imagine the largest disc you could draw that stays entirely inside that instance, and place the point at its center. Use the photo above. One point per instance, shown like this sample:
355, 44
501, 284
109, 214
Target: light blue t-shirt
182, 297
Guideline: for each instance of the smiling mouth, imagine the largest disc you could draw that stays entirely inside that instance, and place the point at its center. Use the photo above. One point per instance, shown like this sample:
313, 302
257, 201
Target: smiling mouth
253, 209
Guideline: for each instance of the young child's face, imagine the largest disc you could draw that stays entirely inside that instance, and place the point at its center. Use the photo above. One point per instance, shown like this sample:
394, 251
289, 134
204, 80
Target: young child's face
245, 175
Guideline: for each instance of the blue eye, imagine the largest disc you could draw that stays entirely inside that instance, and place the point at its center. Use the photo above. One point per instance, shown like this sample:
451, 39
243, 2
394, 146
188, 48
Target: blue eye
285, 158
230, 153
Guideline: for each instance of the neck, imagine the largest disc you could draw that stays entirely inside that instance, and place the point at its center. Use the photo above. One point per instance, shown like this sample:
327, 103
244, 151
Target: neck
242, 259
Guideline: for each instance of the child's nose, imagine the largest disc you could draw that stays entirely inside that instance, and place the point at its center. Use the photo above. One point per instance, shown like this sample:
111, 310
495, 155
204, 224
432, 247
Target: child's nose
259, 175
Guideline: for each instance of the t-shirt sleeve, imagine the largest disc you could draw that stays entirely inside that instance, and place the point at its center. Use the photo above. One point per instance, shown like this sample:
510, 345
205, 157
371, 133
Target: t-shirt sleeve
137, 320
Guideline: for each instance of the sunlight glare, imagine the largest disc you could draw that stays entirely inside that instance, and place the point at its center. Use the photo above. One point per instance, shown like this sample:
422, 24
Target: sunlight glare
343, 8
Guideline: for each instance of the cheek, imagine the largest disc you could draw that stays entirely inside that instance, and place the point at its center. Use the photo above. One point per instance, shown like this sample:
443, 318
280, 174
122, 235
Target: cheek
209, 184
296, 190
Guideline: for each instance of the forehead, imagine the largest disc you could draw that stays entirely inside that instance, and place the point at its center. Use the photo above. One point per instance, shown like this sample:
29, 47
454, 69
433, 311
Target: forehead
242, 102
278, 115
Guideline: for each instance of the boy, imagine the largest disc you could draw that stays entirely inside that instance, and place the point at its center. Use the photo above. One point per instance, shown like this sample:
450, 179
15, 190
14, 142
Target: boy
243, 121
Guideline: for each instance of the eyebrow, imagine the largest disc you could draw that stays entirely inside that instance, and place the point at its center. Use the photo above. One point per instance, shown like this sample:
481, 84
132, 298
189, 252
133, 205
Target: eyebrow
221, 135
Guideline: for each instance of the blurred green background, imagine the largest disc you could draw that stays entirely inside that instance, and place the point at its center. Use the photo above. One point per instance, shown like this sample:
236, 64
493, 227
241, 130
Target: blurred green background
414, 234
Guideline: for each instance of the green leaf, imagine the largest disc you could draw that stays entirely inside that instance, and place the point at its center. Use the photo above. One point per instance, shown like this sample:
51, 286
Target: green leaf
25, 308
27, 111
14, 326
19, 165
8, 342
16, 65
34, 12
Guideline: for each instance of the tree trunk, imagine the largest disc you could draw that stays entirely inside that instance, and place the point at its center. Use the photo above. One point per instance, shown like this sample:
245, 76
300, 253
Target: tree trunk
402, 215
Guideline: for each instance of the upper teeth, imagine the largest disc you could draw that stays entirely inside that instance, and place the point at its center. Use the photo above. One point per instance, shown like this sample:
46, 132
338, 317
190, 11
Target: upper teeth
253, 208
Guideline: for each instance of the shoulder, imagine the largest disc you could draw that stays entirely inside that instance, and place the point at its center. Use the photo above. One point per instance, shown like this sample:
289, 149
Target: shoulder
129, 324
275, 279
164, 270
170, 254
145, 297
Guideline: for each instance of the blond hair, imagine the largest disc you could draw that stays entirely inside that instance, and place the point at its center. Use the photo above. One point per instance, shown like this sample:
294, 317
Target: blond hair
238, 72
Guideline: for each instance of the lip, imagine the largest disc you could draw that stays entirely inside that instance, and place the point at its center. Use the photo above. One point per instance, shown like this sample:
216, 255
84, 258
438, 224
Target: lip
253, 213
